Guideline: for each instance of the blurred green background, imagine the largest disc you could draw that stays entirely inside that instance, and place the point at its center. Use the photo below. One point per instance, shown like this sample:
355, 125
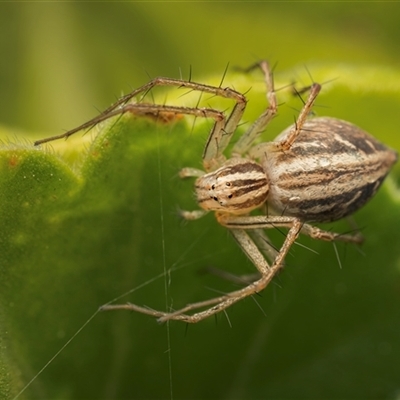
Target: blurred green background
329, 332
60, 60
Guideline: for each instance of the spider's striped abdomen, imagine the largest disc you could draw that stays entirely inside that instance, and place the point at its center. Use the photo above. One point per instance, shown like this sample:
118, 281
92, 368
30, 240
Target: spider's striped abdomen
332, 169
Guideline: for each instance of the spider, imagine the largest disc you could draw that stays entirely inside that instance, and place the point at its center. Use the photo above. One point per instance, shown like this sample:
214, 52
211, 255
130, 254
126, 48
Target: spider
319, 169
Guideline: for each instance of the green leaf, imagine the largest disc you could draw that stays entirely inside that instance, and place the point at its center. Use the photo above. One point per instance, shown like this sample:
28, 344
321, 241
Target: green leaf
81, 230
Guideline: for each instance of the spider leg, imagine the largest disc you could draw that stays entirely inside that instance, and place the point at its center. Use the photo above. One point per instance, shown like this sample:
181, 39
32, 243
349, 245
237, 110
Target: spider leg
241, 280
219, 137
221, 303
190, 173
268, 222
284, 145
255, 130
264, 244
256, 257
192, 215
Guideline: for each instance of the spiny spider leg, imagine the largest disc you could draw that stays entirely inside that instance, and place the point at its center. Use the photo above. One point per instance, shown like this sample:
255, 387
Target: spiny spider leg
223, 302
247, 139
269, 222
214, 147
263, 148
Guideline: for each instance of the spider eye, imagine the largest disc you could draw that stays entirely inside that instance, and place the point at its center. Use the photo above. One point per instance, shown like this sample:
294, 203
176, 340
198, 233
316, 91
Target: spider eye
228, 184
215, 198
230, 196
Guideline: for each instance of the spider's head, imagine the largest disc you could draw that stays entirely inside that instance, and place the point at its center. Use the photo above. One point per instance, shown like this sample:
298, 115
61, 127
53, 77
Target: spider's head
237, 187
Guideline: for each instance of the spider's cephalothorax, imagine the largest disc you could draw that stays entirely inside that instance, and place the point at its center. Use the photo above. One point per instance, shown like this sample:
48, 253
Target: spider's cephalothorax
318, 170
238, 187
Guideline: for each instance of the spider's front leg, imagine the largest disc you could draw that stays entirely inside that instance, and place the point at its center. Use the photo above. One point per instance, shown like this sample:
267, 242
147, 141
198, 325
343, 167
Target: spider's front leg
220, 136
189, 172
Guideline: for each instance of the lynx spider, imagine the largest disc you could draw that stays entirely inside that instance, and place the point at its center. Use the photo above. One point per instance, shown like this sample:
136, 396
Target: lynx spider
318, 170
